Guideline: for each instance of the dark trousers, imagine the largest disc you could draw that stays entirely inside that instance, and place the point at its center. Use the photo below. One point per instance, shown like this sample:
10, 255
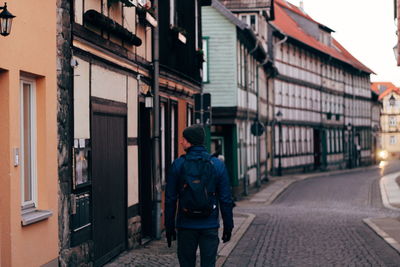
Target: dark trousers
190, 239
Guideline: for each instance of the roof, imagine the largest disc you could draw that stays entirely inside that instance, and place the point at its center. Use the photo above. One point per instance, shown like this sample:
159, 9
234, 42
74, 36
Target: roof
246, 4
228, 14
246, 29
285, 24
387, 87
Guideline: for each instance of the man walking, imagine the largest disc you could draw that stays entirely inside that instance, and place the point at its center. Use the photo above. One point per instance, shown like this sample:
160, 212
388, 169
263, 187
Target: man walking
199, 183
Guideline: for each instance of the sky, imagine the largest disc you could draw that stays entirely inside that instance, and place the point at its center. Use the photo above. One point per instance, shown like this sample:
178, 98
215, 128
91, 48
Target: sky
366, 28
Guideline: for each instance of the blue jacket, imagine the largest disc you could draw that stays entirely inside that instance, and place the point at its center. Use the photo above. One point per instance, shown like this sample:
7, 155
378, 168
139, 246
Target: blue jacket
223, 197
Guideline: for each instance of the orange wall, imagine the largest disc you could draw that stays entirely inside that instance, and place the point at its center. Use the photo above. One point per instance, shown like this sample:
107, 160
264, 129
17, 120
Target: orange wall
30, 48
182, 122
5, 177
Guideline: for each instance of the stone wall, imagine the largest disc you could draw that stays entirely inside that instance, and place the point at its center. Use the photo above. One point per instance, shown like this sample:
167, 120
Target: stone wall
134, 232
67, 257
77, 256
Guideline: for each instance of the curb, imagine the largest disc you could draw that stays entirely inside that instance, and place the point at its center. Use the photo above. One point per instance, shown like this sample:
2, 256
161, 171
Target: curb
393, 243
288, 180
226, 251
384, 194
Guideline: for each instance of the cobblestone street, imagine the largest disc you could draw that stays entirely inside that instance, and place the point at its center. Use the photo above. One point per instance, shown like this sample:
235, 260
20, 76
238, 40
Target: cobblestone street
318, 222
314, 222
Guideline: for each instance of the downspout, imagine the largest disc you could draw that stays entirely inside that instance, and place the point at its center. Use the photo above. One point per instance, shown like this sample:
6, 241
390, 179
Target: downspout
274, 47
258, 178
156, 130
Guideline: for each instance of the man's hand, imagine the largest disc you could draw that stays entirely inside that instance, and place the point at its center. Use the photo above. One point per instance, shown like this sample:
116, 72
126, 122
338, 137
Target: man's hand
171, 235
226, 236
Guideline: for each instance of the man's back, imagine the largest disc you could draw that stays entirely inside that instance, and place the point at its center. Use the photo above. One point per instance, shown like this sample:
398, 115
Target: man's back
197, 231
222, 198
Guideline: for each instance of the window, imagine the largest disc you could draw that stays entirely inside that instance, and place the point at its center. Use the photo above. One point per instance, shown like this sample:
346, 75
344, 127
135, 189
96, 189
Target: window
172, 13
206, 77
197, 20
250, 20
28, 143
174, 127
189, 115
328, 139
238, 56
392, 121
163, 145
393, 140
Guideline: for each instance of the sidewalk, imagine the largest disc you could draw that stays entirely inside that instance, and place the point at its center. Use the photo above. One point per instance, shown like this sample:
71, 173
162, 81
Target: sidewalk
156, 253
388, 228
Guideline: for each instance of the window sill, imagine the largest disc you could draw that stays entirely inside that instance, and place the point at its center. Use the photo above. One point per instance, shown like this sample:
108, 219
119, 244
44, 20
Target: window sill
33, 215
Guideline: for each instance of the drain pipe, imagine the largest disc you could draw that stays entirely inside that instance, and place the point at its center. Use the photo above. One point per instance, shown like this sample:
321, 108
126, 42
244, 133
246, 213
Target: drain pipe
273, 152
156, 130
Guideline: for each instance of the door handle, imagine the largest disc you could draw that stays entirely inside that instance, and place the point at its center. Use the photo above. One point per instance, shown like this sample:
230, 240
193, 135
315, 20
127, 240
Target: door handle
111, 217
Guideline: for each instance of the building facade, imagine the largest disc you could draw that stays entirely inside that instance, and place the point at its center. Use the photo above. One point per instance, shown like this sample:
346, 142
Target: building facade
322, 98
375, 124
390, 117
28, 169
104, 55
235, 75
129, 70
179, 78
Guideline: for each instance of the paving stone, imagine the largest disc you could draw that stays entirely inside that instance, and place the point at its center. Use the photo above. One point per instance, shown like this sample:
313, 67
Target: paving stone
318, 222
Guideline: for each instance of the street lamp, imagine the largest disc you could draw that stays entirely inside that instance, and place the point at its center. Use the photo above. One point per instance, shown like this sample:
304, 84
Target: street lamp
279, 120
148, 99
349, 127
5, 21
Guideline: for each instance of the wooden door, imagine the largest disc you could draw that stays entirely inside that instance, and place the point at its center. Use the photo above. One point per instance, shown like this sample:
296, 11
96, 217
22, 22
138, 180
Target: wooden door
109, 185
317, 148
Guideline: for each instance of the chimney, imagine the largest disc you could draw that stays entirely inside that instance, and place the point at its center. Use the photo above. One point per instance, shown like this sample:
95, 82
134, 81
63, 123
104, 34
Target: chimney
301, 5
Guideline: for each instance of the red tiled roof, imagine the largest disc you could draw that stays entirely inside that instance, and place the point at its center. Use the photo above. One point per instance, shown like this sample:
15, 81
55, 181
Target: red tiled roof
390, 87
284, 23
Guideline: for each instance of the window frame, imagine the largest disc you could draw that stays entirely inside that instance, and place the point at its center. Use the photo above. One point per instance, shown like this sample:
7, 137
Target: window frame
172, 13
163, 139
33, 143
189, 114
206, 66
173, 107
392, 121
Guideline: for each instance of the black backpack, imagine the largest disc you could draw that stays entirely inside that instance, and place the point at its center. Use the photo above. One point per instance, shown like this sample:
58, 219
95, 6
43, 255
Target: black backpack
197, 183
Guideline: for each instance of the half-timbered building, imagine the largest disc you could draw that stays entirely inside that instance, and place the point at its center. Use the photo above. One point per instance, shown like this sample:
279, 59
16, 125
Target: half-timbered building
390, 117
128, 70
321, 96
236, 76
104, 57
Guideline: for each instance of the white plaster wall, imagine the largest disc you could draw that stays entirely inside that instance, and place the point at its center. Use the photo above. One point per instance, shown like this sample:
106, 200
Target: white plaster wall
78, 5
132, 107
81, 100
108, 84
130, 18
